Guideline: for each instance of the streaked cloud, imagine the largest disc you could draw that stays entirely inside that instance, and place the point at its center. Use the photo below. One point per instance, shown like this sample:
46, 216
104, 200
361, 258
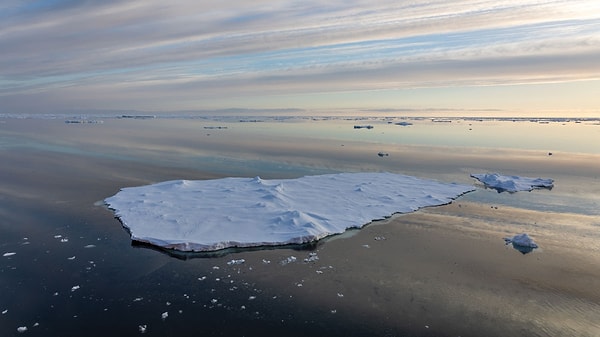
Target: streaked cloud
181, 55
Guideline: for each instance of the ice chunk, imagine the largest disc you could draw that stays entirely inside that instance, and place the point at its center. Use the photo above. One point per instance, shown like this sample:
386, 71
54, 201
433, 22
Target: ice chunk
247, 212
522, 243
21, 329
503, 183
234, 262
9, 254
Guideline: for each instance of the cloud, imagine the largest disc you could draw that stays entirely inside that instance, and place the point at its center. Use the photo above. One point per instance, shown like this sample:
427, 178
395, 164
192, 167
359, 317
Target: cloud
193, 49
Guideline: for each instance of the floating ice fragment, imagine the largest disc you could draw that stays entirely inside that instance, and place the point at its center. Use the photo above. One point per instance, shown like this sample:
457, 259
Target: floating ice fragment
202, 278
164, 315
234, 262
137, 299
9, 254
340, 295
21, 329
214, 301
64, 240
250, 298
143, 328
89, 246
288, 260
4, 311
73, 288
522, 243
58, 236
312, 257
36, 324
502, 183
71, 258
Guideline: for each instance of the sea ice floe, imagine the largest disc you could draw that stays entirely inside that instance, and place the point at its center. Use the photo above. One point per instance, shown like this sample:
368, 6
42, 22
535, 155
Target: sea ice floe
21, 329
522, 243
503, 183
247, 212
9, 254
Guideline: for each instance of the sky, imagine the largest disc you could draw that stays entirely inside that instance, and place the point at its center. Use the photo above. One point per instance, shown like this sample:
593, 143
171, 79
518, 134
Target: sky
521, 57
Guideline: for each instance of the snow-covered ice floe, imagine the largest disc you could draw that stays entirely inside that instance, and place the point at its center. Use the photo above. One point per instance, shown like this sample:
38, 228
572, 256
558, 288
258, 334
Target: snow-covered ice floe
503, 183
522, 243
210, 215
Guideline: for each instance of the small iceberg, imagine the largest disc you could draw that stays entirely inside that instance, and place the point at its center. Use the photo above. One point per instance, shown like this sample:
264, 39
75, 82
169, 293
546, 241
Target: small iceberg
210, 215
512, 184
522, 243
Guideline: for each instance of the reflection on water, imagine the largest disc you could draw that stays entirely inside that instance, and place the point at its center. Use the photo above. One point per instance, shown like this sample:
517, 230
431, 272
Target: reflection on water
438, 272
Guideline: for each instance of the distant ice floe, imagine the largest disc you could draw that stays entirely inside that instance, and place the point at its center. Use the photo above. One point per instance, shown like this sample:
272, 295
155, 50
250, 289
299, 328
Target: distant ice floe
216, 214
503, 183
522, 243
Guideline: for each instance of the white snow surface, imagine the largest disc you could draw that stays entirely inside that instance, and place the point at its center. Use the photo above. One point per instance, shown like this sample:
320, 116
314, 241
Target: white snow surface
208, 215
512, 183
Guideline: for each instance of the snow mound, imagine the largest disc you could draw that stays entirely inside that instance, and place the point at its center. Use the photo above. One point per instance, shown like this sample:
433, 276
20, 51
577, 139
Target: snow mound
216, 214
503, 183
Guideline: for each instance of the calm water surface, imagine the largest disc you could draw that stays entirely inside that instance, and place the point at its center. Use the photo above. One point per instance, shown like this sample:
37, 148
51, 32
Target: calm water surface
75, 272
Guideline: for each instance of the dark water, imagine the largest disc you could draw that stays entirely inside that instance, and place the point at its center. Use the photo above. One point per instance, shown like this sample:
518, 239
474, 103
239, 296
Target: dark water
75, 271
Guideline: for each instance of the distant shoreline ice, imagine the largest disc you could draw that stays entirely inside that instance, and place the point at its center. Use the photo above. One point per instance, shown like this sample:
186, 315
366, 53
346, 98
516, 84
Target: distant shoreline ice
211, 215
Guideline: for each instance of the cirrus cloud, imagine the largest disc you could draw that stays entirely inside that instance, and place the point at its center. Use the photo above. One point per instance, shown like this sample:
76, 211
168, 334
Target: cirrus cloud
128, 52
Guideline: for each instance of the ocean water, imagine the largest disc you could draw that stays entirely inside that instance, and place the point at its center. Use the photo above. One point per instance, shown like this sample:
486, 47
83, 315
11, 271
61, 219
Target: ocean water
68, 268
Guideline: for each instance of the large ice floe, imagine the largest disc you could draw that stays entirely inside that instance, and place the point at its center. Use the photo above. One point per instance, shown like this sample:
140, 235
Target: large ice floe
208, 215
503, 183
